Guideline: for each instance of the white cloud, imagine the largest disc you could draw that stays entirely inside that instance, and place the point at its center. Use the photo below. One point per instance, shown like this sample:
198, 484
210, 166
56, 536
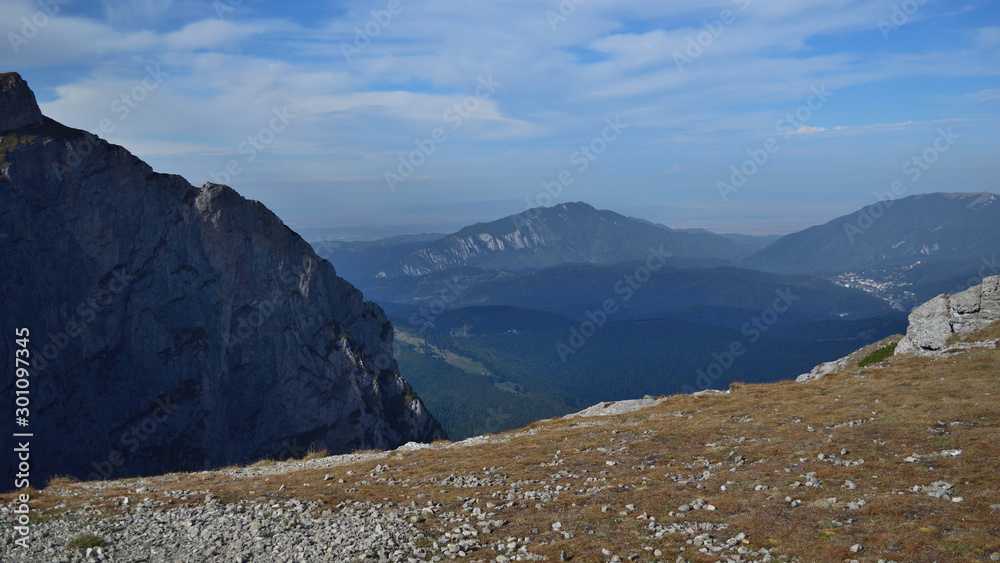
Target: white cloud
209, 34
807, 130
227, 75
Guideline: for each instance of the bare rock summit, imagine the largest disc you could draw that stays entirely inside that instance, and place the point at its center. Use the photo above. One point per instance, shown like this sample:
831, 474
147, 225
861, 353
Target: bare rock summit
175, 328
18, 107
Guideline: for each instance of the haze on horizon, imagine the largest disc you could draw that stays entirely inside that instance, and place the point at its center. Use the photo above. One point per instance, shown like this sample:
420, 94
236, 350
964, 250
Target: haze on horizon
310, 109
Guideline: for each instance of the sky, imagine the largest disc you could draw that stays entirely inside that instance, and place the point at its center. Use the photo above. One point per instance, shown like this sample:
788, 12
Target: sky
365, 119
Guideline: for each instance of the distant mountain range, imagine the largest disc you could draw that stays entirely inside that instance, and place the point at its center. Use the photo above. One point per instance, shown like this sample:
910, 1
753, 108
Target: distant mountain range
926, 228
570, 233
903, 251
494, 301
920, 228
172, 327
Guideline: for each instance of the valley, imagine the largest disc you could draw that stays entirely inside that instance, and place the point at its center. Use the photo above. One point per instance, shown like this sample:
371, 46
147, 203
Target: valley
552, 320
498, 282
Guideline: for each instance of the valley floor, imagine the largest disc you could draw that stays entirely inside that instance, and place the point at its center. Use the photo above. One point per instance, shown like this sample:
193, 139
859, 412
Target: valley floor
892, 462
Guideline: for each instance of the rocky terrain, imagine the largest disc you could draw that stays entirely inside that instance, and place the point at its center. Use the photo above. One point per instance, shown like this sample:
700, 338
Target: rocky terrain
885, 458
174, 327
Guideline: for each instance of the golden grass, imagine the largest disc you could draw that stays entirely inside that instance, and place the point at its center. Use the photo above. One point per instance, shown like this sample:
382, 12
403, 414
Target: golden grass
60, 480
316, 453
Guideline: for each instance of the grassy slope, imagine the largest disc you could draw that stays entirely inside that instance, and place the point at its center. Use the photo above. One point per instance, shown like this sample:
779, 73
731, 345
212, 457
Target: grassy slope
906, 406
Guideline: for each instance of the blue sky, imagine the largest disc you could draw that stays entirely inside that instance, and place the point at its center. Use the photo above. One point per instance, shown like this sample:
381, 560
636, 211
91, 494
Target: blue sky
314, 103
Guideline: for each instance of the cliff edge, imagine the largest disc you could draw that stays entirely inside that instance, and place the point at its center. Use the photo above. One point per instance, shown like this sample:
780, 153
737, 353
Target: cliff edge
173, 327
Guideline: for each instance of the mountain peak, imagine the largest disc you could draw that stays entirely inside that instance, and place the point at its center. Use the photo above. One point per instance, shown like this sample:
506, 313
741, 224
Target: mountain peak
577, 205
18, 107
230, 285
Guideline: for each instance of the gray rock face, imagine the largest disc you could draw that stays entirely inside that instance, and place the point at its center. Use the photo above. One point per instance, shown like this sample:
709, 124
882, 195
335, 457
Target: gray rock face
933, 323
172, 327
19, 108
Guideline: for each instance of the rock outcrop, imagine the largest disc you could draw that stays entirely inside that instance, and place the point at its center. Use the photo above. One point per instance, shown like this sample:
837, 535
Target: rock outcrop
175, 327
933, 323
847, 362
931, 327
18, 102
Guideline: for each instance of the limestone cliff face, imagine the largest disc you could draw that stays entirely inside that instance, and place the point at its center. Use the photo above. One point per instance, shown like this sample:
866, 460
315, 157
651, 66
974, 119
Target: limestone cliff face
174, 327
933, 323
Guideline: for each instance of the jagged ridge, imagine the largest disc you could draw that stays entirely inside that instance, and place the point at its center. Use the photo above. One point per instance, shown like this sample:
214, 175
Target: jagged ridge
177, 328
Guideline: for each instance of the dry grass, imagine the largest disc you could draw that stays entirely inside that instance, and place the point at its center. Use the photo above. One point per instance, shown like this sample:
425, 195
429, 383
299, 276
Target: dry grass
905, 405
60, 480
316, 453
85, 541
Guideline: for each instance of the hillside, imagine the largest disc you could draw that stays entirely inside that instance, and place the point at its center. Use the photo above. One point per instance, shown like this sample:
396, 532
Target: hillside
920, 228
891, 462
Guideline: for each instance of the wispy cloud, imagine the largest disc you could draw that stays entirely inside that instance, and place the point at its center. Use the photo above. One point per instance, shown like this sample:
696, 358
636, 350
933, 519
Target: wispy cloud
227, 74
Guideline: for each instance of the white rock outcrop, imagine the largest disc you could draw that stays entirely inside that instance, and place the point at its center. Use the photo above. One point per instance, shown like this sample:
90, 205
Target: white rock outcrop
933, 323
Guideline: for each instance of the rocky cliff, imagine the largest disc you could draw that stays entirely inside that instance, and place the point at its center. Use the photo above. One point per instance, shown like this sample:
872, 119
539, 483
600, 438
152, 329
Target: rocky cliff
933, 323
175, 327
